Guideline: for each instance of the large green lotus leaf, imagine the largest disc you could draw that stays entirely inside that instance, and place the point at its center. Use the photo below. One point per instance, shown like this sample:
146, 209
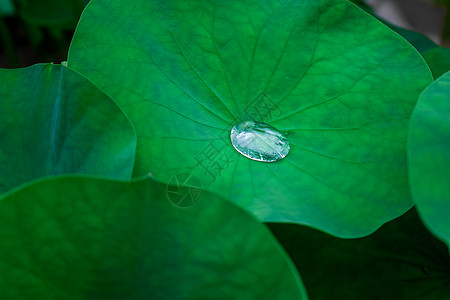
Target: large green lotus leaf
402, 260
429, 157
336, 82
55, 121
80, 238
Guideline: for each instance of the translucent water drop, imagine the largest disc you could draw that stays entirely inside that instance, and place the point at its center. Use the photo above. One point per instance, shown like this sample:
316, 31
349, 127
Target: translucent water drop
259, 141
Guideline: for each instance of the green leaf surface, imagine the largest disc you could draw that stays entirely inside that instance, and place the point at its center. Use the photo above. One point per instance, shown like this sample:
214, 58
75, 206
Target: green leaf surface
402, 260
438, 59
55, 121
338, 84
429, 157
126, 240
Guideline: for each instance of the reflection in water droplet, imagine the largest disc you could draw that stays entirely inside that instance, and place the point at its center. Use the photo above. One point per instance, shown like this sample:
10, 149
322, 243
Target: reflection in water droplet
259, 141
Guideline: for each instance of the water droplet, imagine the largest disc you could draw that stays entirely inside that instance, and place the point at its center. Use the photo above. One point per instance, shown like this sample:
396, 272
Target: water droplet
259, 141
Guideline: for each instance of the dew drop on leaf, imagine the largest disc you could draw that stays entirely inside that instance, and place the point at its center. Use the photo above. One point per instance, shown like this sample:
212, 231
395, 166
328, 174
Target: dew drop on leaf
259, 141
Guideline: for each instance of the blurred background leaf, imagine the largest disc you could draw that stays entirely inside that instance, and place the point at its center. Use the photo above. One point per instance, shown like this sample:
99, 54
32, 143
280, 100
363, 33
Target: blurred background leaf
438, 59
125, 240
55, 121
6, 8
429, 157
402, 260
52, 13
